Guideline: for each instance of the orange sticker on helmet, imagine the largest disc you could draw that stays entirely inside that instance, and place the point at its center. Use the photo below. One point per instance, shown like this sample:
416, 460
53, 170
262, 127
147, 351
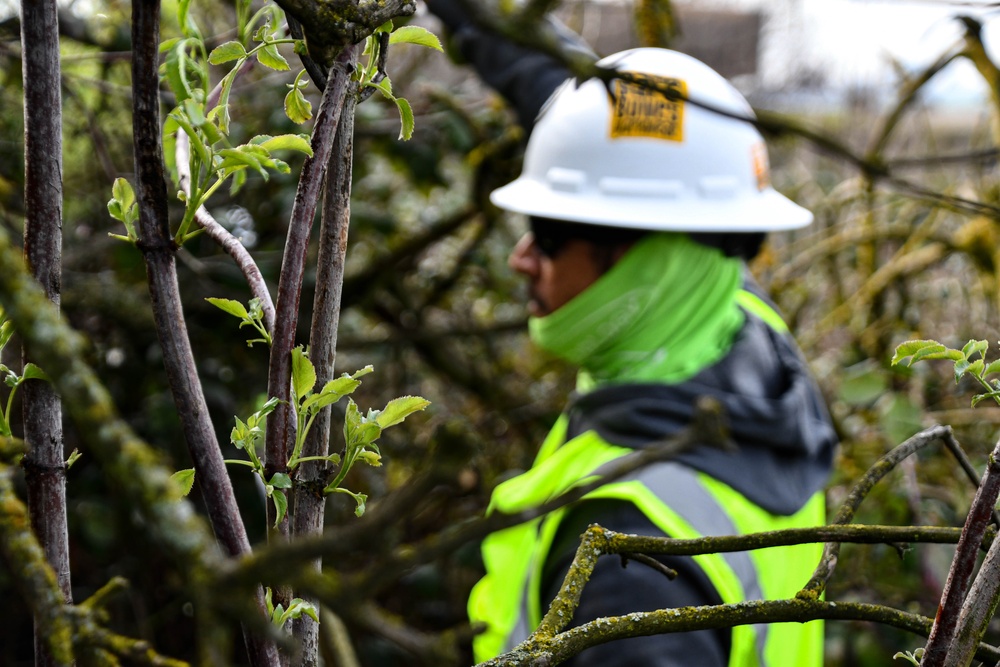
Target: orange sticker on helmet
761, 167
638, 111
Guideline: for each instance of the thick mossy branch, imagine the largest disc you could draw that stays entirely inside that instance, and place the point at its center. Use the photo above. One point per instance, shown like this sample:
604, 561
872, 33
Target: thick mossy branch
36, 582
330, 25
11, 449
558, 649
134, 468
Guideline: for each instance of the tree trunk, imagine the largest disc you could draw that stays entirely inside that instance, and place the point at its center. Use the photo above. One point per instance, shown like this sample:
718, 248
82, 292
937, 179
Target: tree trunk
44, 464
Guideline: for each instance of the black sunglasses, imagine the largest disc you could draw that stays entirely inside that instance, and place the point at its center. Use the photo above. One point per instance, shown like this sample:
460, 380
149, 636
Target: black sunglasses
551, 236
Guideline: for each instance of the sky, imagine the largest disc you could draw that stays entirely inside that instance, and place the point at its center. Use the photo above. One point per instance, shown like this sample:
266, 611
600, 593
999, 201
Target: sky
854, 41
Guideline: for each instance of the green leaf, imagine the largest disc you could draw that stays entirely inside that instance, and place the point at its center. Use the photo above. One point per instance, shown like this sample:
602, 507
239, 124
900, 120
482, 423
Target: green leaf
227, 52
373, 459
405, 117
237, 158
980, 397
281, 481
399, 409
269, 57
297, 107
184, 19
974, 346
6, 331
297, 607
994, 367
303, 373
280, 506
122, 191
364, 434
184, 480
73, 458
33, 372
411, 34
911, 347
175, 74
195, 111
234, 308
292, 142
360, 499
930, 353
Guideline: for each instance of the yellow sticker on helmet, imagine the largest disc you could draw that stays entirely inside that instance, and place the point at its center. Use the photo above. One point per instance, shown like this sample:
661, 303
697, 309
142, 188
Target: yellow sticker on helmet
638, 111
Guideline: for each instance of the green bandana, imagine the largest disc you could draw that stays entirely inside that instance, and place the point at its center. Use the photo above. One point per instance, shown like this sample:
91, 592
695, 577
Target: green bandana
663, 312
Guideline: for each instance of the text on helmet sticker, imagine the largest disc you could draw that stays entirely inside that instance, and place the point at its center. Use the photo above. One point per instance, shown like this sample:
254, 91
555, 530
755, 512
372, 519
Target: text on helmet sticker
640, 111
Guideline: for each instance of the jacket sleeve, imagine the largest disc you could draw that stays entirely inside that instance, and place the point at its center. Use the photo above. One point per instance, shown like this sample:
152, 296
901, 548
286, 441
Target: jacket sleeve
525, 78
615, 591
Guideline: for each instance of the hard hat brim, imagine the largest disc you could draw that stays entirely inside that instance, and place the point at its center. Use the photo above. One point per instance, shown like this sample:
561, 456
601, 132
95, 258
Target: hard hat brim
757, 211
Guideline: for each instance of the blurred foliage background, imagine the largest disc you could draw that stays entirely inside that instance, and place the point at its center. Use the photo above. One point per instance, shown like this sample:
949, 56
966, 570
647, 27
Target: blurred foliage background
430, 302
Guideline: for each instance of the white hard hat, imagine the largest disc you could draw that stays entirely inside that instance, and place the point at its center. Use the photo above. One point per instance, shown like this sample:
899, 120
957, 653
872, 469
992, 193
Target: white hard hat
641, 161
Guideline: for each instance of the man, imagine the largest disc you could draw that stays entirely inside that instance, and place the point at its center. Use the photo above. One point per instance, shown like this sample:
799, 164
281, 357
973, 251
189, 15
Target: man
642, 210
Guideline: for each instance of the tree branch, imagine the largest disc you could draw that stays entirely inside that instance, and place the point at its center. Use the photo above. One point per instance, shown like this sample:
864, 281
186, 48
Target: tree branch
281, 423
229, 243
816, 585
311, 476
44, 464
157, 248
972, 614
38, 585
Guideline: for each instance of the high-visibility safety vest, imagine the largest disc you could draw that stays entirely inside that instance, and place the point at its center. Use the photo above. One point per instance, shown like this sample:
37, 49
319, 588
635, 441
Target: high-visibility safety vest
683, 503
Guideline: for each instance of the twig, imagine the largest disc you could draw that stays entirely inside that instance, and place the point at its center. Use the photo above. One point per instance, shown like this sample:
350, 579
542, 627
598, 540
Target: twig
215, 231
882, 467
315, 72
649, 561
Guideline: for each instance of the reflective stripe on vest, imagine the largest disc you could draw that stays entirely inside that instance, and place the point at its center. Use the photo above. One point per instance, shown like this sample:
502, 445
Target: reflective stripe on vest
680, 502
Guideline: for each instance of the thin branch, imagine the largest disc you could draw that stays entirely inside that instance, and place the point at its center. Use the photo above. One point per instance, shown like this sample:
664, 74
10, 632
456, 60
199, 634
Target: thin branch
215, 231
845, 515
311, 476
157, 248
281, 423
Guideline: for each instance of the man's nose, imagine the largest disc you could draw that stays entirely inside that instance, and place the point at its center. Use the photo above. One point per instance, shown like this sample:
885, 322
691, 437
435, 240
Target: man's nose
524, 257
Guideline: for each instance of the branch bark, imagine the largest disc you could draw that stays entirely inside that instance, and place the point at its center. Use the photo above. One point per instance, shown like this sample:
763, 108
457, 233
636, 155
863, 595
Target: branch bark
946, 644
37, 583
44, 464
157, 249
309, 501
281, 423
